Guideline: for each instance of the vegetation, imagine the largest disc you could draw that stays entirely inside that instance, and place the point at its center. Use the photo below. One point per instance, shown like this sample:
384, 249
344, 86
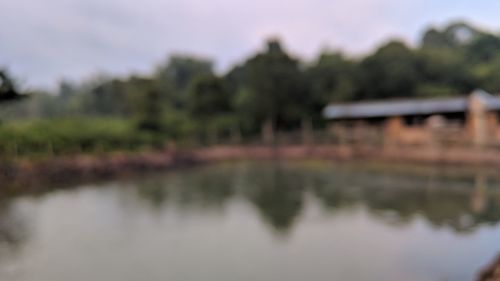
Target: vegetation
75, 135
184, 100
8, 89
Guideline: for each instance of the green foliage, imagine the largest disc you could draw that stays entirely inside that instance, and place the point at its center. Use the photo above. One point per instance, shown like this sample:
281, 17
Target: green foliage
150, 112
107, 98
388, 73
278, 87
210, 105
488, 74
483, 49
66, 136
432, 90
178, 124
453, 36
208, 97
176, 75
445, 68
330, 79
181, 70
8, 89
185, 101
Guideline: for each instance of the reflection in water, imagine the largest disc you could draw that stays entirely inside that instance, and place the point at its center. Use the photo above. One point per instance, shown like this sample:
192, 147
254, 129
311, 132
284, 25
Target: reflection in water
153, 191
443, 202
278, 194
479, 200
12, 228
13, 233
209, 188
278, 190
317, 206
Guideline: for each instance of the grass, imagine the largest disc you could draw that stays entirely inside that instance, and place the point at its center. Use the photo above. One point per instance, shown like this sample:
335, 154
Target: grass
74, 135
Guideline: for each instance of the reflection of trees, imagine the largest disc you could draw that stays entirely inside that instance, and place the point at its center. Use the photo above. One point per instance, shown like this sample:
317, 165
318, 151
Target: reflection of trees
278, 191
443, 202
153, 191
278, 194
12, 228
206, 188
439, 207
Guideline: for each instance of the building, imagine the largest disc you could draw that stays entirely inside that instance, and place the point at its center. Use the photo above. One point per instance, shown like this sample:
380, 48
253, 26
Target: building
469, 120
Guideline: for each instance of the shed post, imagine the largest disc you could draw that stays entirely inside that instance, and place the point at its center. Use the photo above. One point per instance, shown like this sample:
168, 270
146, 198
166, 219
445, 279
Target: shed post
477, 121
393, 128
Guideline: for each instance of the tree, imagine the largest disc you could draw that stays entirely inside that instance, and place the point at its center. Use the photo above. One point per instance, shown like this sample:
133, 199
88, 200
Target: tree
487, 74
443, 72
149, 103
150, 118
276, 88
8, 90
388, 73
235, 79
453, 36
208, 97
108, 98
483, 49
209, 102
330, 79
178, 73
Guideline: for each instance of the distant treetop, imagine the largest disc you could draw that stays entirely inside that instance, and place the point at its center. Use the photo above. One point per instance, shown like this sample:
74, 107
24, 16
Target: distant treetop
8, 89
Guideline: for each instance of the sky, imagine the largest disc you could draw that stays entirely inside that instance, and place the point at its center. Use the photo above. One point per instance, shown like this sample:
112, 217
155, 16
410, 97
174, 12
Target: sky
43, 42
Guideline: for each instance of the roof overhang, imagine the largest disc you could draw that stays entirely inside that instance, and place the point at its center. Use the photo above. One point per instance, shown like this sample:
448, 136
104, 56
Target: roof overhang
378, 109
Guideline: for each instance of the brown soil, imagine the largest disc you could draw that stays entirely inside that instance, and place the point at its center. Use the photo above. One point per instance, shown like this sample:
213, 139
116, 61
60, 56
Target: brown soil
26, 172
330, 152
491, 273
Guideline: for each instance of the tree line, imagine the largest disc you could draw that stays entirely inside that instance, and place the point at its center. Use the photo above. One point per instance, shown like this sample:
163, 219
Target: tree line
271, 90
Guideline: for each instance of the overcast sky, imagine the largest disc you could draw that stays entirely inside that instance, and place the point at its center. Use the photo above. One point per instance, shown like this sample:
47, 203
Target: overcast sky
43, 41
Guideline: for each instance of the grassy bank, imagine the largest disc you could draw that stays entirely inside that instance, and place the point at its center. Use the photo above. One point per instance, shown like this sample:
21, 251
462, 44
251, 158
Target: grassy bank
56, 137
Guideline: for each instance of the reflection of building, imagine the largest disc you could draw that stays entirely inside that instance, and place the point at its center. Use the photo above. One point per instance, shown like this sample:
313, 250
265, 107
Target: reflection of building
465, 120
479, 199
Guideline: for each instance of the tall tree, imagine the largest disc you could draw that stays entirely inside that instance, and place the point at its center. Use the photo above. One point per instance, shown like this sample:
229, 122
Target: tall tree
209, 103
276, 88
483, 49
454, 36
330, 79
443, 72
208, 97
148, 103
178, 73
390, 72
487, 74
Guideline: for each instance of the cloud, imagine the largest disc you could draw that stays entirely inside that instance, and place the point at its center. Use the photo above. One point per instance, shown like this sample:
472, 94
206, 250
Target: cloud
44, 41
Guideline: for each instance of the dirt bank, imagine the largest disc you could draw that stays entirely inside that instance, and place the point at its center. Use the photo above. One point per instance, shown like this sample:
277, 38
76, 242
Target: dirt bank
26, 172
491, 272
329, 152
29, 173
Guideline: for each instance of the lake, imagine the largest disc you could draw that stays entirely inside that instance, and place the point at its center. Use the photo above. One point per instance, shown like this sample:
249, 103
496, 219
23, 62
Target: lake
257, 221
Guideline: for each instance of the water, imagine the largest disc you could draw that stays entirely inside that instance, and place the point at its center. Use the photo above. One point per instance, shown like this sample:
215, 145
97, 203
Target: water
256, 221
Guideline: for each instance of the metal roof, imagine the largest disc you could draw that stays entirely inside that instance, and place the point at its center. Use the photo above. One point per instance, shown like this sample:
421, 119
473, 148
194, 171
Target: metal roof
407, 107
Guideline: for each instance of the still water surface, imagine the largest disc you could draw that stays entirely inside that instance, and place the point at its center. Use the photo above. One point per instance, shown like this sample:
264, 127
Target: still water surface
256, 221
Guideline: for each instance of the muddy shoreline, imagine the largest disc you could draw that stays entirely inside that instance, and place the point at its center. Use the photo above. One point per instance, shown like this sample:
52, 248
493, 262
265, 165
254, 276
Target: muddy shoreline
27, 172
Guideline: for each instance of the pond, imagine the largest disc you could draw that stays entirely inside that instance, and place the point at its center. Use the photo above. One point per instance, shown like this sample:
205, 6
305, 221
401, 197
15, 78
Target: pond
256, 221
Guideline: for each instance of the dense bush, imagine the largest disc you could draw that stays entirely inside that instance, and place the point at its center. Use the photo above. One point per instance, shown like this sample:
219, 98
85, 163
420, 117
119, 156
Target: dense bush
76, 135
